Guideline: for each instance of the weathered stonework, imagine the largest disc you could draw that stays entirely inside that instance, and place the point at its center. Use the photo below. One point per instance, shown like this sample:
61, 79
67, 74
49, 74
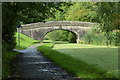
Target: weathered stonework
40, 29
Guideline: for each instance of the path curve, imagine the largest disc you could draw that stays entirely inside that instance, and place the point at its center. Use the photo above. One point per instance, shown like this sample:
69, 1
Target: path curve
31, 65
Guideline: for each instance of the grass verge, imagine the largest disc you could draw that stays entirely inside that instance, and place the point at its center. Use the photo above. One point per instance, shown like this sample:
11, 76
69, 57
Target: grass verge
7, 56
102, 56
25, 41
55, 42
77, 67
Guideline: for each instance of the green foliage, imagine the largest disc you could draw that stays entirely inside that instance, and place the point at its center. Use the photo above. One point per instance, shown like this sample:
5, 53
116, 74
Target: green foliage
95, 36
20, 13
105, 13
71, 37
108, 13
79, 11
62, 35
59, 13
77, 67
25, 41
7, 57
84, 11
7, 26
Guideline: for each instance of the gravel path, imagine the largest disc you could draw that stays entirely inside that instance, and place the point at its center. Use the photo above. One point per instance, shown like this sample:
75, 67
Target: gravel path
31, 65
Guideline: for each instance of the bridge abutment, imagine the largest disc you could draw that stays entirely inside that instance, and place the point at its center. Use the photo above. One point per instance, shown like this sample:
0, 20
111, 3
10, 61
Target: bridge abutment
78, 40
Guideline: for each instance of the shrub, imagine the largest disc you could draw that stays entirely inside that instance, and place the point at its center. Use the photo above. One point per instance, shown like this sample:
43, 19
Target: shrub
95, 36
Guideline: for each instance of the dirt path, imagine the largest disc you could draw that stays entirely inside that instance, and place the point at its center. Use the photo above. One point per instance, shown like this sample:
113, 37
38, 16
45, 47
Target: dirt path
31, 65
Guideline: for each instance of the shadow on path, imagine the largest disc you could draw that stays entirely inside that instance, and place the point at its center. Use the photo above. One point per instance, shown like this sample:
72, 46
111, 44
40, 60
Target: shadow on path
31, 65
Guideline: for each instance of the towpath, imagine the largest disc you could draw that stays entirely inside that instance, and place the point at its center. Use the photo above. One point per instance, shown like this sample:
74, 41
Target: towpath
32, 65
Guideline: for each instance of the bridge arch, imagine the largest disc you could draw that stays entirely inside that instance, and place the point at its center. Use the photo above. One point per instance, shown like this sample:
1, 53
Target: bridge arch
73, 32
38, 30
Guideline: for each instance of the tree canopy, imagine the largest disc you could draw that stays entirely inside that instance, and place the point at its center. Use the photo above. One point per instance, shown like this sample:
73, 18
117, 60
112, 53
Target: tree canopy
16, 13
107, 14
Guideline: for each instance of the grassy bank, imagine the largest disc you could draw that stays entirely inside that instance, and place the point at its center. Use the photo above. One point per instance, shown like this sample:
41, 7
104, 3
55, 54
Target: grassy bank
101, 56
78, 67
25, 41
7, 56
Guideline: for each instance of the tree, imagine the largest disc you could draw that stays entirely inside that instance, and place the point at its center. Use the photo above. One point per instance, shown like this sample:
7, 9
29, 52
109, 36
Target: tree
15, 13
82, 11
108, 13
62, 35
59, 13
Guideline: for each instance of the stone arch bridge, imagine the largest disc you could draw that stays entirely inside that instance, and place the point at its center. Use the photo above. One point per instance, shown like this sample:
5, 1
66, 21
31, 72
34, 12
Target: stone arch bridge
39, 30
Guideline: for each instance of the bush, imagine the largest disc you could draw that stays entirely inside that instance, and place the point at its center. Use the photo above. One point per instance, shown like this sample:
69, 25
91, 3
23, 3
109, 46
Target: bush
62, 35
95, 36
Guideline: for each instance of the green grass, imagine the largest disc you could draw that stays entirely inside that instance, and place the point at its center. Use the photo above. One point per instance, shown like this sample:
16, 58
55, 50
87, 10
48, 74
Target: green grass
25, 41
74, 65
101, 56
7, 56
55, 42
